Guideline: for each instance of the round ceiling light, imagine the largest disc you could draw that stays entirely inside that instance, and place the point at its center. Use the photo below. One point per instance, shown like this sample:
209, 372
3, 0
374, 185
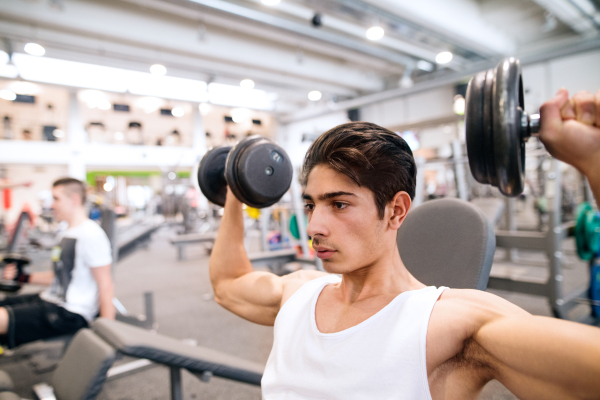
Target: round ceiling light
158, 70
177, 112
375, 33
34, 49
444, 57
247, 84
7, 95
315, 95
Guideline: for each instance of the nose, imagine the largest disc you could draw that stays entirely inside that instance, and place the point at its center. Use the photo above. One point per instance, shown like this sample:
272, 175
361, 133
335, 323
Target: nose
317, 223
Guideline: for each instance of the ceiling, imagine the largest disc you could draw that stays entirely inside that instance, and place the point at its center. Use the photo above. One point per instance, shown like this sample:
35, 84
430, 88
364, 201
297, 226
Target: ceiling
281, 49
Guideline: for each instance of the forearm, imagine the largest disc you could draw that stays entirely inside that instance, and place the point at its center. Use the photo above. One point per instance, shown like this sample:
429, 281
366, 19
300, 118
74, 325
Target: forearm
41, 278
107, 308
228, 258
594, 181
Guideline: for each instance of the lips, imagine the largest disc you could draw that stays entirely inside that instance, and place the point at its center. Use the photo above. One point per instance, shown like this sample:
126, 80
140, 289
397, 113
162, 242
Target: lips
323, 252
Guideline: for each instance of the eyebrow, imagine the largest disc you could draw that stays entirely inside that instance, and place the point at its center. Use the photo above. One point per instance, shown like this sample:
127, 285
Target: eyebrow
327, 196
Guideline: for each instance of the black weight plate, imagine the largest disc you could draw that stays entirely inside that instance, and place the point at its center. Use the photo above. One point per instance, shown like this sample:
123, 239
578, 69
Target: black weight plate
474, 128
488, 127
211, 175
508, 143
258, 172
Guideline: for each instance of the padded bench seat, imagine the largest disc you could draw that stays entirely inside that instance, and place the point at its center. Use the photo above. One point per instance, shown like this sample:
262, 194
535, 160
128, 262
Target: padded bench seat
137, 342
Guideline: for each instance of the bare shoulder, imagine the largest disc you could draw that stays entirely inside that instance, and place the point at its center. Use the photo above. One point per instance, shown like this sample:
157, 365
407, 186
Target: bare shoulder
294, 281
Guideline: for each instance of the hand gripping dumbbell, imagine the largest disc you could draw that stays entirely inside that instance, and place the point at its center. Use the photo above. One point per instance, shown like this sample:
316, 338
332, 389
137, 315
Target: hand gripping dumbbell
497, 127
20, 262
257, 171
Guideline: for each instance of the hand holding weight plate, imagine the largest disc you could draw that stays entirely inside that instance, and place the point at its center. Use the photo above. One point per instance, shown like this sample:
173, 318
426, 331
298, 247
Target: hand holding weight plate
497, 127
257, 171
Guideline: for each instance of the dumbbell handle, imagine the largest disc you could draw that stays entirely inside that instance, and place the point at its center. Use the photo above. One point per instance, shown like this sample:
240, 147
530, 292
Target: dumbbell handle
530, 125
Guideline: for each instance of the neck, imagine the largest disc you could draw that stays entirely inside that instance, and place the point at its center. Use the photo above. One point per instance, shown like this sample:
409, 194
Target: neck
387, 276
77, 218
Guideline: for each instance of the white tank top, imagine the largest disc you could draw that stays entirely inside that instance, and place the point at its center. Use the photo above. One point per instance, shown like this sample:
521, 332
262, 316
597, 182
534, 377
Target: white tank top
381, 358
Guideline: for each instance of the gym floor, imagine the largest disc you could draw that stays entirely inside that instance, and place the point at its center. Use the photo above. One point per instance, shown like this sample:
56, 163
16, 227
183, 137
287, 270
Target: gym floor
185, 309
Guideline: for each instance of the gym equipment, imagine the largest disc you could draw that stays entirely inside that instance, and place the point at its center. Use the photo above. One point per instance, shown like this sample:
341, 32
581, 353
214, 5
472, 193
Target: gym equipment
20, 262
448, 242
88, 360
497, 127
257, 171
587, 232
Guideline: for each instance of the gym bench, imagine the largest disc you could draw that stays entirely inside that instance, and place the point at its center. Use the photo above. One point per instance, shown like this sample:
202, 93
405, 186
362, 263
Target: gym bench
180, 241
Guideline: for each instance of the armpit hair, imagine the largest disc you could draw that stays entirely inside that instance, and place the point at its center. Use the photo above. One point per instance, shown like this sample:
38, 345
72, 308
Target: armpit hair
474, 358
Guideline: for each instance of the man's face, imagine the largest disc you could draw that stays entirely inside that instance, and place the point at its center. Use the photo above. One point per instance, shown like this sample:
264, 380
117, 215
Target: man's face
64, 203
343, 222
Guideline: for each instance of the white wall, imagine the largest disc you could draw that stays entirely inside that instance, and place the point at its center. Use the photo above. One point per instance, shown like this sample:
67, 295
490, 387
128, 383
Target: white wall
41, 178
419, 107
575, 73
540, 81
290, 136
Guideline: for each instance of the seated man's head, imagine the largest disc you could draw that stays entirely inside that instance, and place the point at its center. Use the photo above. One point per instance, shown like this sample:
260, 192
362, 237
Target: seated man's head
69, 198
360, 180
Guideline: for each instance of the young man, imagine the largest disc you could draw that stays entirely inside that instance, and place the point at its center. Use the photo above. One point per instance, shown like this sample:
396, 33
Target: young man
80, 283
377, 332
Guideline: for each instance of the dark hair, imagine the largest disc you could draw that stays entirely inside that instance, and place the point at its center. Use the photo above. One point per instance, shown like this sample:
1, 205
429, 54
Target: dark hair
72, 185
372, 156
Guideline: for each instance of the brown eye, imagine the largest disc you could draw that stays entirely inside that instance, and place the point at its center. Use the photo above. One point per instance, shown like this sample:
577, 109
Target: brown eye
340, 206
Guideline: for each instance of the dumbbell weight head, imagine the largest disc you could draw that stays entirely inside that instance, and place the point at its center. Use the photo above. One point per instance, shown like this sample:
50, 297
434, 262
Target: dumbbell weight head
211, 175
258, 172
497, 127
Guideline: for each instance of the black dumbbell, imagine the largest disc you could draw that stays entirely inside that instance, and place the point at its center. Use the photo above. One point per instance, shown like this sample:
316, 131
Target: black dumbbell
257, 170
497, 127
20, 262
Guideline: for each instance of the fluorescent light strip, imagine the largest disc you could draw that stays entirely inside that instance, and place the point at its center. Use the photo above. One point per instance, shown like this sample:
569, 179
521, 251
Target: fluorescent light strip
89, 76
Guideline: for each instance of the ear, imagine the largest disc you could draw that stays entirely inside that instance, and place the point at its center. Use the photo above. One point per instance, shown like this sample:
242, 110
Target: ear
399, 205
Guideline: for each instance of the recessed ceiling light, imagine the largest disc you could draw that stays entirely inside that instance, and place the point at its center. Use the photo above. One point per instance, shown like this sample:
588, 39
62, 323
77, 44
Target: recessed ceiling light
7, 95
158, 70
177, 112
204, 108
375, 33
444, 57
315, 95
34, 49
247, 84
240, 115
271, 2
425, 65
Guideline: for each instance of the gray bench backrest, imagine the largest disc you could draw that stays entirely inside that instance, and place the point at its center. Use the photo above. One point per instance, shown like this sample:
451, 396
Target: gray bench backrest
448, 242
82, 371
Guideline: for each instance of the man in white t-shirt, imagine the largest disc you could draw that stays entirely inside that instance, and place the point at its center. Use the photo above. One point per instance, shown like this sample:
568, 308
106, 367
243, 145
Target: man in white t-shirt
80, 284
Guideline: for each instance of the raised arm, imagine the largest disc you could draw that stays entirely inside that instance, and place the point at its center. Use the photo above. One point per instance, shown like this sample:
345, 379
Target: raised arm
570, 130
542, 358
253, 295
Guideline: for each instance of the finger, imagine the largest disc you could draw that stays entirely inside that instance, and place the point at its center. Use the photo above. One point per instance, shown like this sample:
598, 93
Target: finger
550, 114
567, 111
585, 107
